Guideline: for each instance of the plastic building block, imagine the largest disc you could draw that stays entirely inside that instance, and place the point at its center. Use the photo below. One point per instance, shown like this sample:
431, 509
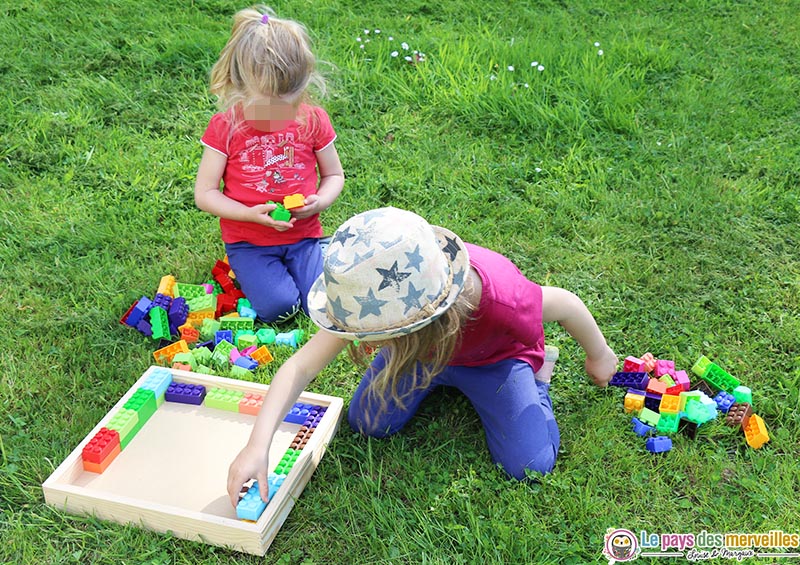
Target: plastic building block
724, 401
165, 354
292, 338
224, 399
235, 323
640, 428
144, 327
755, 432
656, 386
162, 301
649, 362
718, 377
664, 367
188, 291
189, 333
688, 428
143, 402
223, 335
743, 394
280, 213
139, 311
158, 381
249, 350
251, 403
159, 322
246, 363
265, 336
177, 313
667, 380
246, 339
633, 364
703, 387
209, 329
124, 421
649, 417
202, 303
250, 506
674, 390
700, 412
166, 286
636, 380
124, 319
287, 462
294, 201
682, 378
101, 450
301, 438
234, 355
314, 416
262, 355
652, 401
739, 414
658, 444
201, 355
701, 366
669, 404
185, 393
298, 413
634, 401
668, 423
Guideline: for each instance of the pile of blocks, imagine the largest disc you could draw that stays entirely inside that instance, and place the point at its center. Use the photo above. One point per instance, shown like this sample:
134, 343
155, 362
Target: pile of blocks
663, 400
213, 326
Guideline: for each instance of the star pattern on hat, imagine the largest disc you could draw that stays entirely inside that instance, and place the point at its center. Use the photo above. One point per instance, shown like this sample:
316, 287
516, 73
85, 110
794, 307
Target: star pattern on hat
451, 248
391, 276
332, 258
415, 259
341, 236
411, 300
370, 304
340, 313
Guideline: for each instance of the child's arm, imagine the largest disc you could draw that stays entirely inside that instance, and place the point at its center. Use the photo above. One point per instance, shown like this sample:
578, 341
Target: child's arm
290, 380
208, 197
562, 306
331, 182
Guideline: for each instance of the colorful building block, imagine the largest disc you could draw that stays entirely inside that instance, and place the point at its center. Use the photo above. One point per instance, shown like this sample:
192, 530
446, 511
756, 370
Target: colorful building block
668, 423
743, 394
655, 386
159, 323
124, 422
224, 399
637, 380
649, 362
670, 404
188, 291
739, 414
101, 450
246, 363
294, 201
140, 310
251, 403
265, 336
652, 401
292, 338
664, 367
298, 413
158, 381
166, 285
755, 432
633, 364
724, 401
682, 378
250, 506
634, 401
185, 393
701, 366
649, 417
718, 377
165, 354
280, 213
262, 355
658, 444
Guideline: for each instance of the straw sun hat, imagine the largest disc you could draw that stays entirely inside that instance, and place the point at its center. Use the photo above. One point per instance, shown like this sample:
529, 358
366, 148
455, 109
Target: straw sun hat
387, 272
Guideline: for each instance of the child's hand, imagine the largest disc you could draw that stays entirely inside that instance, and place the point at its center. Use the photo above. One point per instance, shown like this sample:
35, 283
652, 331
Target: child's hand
260, 213
602, 367
312, 206
250, 463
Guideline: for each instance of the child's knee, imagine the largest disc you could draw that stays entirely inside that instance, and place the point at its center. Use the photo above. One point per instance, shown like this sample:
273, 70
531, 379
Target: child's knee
542, 464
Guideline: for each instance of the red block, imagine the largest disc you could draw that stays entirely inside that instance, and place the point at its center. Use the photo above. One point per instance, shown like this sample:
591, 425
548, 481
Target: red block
101, 450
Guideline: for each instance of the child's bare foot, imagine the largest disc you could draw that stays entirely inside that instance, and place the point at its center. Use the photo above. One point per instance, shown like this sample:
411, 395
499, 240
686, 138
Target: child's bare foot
546, 371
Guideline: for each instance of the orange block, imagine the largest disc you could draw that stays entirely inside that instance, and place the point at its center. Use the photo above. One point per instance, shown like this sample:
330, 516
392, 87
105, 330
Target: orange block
294, 201
168, 352
656, 386
755, 432
103, 465
670, 404
262, 355
251, 404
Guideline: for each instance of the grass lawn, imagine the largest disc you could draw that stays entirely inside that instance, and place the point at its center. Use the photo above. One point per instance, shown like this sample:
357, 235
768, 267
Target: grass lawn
644, 155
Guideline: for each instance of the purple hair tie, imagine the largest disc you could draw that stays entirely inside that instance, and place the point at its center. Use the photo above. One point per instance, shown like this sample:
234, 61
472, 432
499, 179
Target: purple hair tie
265, 19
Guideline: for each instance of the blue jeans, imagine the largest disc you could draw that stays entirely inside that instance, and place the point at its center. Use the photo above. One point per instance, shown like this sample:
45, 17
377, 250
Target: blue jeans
276, 278
514, 408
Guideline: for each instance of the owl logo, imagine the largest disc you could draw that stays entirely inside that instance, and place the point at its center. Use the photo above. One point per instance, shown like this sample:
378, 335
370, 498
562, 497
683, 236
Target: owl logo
620, 545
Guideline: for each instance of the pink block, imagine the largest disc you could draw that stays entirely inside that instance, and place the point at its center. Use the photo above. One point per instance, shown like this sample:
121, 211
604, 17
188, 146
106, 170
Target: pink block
682, 378
633, 365
249, 350
235, 355
649, 362
664, 367
209, 288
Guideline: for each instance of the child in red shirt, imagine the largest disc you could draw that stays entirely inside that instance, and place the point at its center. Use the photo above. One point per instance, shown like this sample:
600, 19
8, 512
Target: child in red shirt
268, 142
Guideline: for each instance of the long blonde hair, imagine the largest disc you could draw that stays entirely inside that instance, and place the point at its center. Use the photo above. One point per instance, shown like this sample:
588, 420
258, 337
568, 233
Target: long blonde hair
264, 56
419, 356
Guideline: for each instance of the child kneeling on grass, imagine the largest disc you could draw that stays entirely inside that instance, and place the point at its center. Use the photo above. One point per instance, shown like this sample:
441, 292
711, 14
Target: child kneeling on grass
443, 312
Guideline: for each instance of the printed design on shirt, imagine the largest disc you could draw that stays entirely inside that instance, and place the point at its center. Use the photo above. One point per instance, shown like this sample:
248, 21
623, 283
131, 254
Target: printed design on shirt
271, 158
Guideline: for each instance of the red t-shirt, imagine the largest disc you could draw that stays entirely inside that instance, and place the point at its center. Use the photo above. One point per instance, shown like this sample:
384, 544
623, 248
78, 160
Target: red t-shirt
264, 166
508, 321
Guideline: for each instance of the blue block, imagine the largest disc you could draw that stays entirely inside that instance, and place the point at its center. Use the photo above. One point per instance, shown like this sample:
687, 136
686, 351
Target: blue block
630, 380
640, 428
724, 400
246, 362
298, 413
139, 311
658, 444
158, 381
250, 507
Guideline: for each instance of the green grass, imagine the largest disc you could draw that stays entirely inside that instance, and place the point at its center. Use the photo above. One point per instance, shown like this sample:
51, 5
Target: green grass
659, 181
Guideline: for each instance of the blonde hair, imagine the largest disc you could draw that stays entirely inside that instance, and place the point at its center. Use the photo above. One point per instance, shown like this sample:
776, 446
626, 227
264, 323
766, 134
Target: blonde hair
264, 56
420, 356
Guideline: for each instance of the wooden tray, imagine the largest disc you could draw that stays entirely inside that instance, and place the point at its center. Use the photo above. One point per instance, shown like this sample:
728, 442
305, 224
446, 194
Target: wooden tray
172, 476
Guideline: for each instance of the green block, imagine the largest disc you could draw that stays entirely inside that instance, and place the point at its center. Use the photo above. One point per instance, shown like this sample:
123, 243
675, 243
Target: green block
201, 355
238, 372
648, 417
265, 336
720, 378
159, 322
701, 365
245, 339
280, 214
203, 370
668, 422
209, 329
185, 357
223, 399
143, 402
190, 290
124, 421
236, 323
204, 302
287, 462
743, 394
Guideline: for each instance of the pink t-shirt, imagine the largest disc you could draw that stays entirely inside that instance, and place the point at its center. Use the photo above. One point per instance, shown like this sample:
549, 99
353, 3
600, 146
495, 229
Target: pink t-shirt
265, 166
508, 321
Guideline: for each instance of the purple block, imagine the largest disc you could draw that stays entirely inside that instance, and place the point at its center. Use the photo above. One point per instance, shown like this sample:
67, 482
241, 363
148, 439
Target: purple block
658, 444
630, 380
178, 312
145, 327
162, 301
139, 312
185, 393
652, 401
